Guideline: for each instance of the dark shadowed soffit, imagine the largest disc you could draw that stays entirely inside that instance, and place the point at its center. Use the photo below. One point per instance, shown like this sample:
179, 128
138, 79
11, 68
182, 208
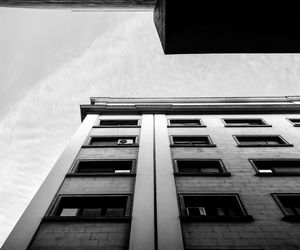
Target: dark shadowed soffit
192, 105
122, 4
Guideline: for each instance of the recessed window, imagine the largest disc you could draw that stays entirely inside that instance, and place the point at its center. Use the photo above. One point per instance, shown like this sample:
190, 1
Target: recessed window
260, 141
273, 167
185, 123
290, 205
92, 206
104, 167
252, 122
295, 122
198, 141
118, 123
112, 141
213, 207
205, 167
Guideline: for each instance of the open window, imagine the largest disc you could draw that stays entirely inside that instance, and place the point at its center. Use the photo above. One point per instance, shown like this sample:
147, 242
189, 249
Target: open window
245, 122
261, 141
276, 167
201, 167
290, 205
213, 207
103, 141
91, 206
196, 141
295, 121
185, 123
104, 167
118, 123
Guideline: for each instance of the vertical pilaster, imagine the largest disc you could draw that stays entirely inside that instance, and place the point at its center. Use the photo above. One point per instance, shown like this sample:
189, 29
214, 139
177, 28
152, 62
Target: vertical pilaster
142, 227
26, 227
168, 224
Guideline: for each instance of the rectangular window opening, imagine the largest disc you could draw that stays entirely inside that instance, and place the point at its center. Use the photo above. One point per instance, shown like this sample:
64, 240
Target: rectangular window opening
295, 122
191, 140
255, 122
104, 167
118, 123
276, 167
200, 167
112, 141
261, 140
185, 122
290, 205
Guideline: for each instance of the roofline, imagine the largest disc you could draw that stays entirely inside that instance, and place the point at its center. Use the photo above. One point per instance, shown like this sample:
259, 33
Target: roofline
192, 105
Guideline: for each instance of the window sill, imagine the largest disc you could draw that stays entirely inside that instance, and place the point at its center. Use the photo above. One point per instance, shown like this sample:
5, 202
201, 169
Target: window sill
277, 174
100, 174
187, 126
194, 145
246, 126
91, 219
276, 145
244, 218
291, 218
225, 174
109, 146
114, 126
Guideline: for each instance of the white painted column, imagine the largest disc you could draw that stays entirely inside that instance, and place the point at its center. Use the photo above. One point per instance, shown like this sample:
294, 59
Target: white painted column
142, 226
168, 223
27, 225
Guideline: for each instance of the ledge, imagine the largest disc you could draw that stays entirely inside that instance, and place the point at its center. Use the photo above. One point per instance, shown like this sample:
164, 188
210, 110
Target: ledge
247, 126
276, 145
195, 145
188, 126
244, 218
127, 126
291, 218
100, 174
225, 174
276, 174
91, 219
111, 146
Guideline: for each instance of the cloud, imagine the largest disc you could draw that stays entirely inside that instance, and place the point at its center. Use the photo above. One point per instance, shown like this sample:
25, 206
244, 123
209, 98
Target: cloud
126, 60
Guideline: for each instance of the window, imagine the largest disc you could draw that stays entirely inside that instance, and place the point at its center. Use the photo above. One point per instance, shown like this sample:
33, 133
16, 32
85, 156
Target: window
249, 122
198, 141
112, 167
273, 167
205, 167
261, 141
118, 123
295, 122
97, 141
186, 123
213, 207
91, 206
290, 205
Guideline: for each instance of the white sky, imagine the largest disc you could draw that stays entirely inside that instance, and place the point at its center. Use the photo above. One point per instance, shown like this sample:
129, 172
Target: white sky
53, 61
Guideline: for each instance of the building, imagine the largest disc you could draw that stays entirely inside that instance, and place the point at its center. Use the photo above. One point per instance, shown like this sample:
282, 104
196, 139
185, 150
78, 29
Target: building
172, 174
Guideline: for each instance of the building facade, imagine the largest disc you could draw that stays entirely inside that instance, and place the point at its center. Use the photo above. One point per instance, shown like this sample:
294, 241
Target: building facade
172, 174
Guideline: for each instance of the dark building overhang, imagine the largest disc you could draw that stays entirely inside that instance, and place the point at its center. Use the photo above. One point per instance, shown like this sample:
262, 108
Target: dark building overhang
111, 4
228, 26
209, 105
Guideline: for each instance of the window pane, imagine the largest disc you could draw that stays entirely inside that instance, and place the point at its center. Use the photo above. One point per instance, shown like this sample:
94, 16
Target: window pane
69, 212
91, 212
115, 212
119, 122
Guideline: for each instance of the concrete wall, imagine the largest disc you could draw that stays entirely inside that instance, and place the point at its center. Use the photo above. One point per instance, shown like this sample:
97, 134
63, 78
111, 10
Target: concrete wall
267, 231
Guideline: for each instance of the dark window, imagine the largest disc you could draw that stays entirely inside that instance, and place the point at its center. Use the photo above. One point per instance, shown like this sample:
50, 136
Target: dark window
200, 167
276, 167
185, 122
245, 123
93, 206
290, 205
211, 207
261, 140
295, 122
118, 122
112, 141
104, 167
191, 140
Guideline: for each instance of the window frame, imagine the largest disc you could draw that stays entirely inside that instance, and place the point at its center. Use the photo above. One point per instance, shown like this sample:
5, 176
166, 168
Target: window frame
72, 172
252, 161
287, 216
211, 144
50, 214
242, 218
224, 172
87, 142
294, 124
201, 125
226, 125
286, 143
98, 123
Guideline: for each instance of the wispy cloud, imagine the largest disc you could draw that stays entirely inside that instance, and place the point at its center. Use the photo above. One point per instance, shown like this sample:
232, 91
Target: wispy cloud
125, 60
